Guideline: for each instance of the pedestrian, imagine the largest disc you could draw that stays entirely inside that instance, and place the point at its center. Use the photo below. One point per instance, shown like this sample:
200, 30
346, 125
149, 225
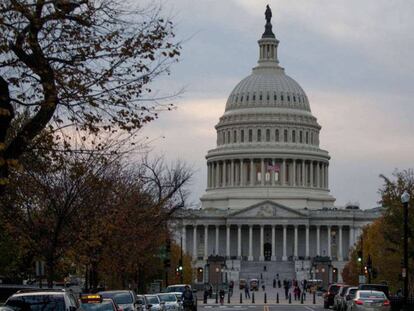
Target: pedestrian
246, 292
261, 276
264, 268
296, 291
279, 284
274, 283
231, 286
286, 286
263, 287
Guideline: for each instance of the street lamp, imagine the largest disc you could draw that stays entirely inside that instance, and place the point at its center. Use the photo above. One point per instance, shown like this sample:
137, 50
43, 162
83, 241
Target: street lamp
217, 283
405, 198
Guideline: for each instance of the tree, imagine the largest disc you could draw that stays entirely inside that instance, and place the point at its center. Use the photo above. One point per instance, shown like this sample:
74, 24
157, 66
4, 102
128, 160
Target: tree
382, 240
78, 68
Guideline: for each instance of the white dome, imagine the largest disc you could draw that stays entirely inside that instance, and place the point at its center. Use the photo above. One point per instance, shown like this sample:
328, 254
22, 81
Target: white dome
268, 88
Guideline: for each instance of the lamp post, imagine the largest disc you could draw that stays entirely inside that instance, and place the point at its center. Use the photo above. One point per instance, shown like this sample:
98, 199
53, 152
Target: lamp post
405, 198
217, 282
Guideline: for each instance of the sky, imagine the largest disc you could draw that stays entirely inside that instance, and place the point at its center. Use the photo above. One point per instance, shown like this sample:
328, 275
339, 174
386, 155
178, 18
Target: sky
353, 59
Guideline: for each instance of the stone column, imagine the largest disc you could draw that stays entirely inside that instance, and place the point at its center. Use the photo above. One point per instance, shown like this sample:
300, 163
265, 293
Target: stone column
340, 254
303, 173
273, 173
232, 173
217, 239
228, 241
224, 177
184, 237
329, 242
307, 241
323, 176
252, 173
327, 176
318, 240
250, 258
351, 236
311, 173
262, 172
261, 257
195, 255
318, 174
295, 250
273, 258
283, 175
239, 254
284, 257
205, 242
208, 175
293, 173
217, 173
242, 183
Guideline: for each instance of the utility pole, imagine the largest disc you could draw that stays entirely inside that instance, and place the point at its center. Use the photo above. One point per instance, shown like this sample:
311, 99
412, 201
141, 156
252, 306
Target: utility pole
181, 261
405, 198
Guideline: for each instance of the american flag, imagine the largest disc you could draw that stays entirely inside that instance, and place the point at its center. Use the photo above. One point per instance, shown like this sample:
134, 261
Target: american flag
273, 168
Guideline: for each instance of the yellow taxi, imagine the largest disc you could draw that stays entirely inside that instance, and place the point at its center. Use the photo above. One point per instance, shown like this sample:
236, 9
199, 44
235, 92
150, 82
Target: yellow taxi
94, 302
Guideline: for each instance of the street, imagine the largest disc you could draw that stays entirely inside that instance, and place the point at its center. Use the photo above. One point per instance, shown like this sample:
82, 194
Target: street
262, 308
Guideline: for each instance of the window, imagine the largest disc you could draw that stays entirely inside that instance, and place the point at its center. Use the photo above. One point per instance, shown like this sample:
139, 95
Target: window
223, 139
294, 136
242, 136
307, 137
300, 137
281, 97
254, 97
241, 99
294, 99
260, 97
247, 97
250, 135
277, 135
288, 98
274, 97
259, 135
285, 136
268, 96
234, 136
228, 137
312, 138
267, 135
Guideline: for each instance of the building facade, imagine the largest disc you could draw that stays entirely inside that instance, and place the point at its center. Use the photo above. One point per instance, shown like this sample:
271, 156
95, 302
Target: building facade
267, 206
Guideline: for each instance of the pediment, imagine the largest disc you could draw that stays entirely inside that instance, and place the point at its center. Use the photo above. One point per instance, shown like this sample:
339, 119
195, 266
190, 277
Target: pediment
267, 209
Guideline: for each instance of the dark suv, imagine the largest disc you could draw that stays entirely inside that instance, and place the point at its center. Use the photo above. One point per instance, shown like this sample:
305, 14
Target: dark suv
328, 297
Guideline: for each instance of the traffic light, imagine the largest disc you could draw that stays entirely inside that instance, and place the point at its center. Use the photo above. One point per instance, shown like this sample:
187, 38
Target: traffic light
359, 258
366, 269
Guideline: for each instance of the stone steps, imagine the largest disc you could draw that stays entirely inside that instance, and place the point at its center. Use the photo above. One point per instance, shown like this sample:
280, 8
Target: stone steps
256, 270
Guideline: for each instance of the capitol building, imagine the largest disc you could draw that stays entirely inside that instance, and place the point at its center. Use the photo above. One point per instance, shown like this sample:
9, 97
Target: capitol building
267, 208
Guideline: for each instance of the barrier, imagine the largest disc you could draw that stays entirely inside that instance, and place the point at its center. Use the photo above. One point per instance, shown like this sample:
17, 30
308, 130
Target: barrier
228, 297
314, 298
277, 297
241, 298
290, 298
265, 298
301, 298
253, 297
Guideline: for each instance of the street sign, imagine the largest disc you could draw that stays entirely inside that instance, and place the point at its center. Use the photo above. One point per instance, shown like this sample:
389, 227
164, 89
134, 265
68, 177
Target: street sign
362, 279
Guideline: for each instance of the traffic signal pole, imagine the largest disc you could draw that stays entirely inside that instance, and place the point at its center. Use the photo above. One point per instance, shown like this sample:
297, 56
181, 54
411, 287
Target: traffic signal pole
181, 261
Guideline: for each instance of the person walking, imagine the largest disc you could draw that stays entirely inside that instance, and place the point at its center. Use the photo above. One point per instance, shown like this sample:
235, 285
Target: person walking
231, 286
274, 283
246, 292
279, 284
286, 286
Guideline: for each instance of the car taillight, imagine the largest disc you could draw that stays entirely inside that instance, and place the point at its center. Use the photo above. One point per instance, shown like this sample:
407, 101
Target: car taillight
359, 302
386, 303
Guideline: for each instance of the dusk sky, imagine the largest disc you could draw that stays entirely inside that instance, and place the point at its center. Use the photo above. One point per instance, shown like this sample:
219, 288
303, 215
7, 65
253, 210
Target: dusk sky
354, 59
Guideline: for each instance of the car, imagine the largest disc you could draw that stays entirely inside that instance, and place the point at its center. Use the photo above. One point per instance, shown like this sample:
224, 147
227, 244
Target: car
254, 284
141, 302
170, 301
153, 303
328, 297
339, 298
125, 299
379, 287
242, 283
349, 295
94, 302
370, 300
180, 288
43, 299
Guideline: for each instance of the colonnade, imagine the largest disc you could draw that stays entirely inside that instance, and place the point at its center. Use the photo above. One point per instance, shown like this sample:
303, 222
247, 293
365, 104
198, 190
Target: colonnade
267, 172
353, 233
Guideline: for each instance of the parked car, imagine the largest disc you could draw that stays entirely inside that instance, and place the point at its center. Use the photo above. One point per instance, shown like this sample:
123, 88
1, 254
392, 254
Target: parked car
140, 302
125, 299
254, 284
242, 283
43, 299
379, 287
349, 295
153, 303
370, 300
339, 298
180, 288
169, 301
328, 297
178, 295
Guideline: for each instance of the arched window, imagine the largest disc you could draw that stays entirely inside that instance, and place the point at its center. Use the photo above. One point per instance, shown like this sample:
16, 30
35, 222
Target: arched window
268, 135
294, 136
242, 136
285, 136
234, 136
300, 137
250, 135
276, 135
259, 135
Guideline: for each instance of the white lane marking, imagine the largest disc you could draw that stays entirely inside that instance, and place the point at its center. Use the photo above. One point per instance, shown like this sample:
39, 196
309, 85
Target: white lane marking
309, 308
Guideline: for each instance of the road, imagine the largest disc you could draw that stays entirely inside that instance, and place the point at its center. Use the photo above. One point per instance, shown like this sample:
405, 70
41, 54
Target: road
261, 308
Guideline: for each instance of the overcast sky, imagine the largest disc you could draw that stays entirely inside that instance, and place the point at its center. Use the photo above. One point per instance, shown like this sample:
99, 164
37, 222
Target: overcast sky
354, 59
